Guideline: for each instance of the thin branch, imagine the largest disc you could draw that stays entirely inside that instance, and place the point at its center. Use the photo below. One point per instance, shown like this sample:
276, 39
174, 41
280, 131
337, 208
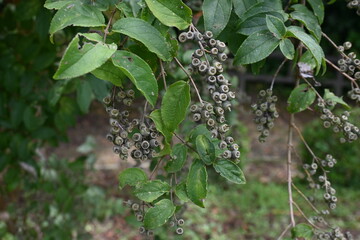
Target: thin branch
155, 168
345, 74
163, 74
106, 31
307, 200
277, 73
288, 169
191, 79
284, 232
303, 214
304, 141
184, 142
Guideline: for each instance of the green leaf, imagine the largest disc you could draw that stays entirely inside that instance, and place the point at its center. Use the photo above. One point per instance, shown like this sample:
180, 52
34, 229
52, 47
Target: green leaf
160, 126
309, 59
199, 130
174, 105
287, 48
33, 119
263, 6
230, 171
205, 148
139, 73
178, 158
318, 8
57, 4
180, 192
257, 23
301, 98
256, 47
79, 61
109, 72
216, 15
276, 26
302, 230
332, 97
241, 6
145, 33
305, 16
196, 184
131, 177
56, 91
77, 14
309, 42
172, 13
84, 96
151, 190
159, 214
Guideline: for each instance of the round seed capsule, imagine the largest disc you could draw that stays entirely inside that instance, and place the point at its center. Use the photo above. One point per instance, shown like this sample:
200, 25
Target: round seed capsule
154, 143
135, 206
137, 137
212, 42
182, 37
222, 145
199, 53
212, 71
195, 62
180, 231
197, 117
145, 144
190, 35
208, 35
181, 222
142, 230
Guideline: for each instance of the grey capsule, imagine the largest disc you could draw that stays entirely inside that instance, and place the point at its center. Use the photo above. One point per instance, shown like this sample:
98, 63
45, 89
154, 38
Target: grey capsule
229, 140
107, 100
219, 111
210, 122
145, 144
199, 53
203, 68
221, 119
205, 114
195, 62
154, 143
127, 102
146, 151
235, 154
226, 154
234, 146
222, 56
223, 97
224, 128
218, 65
116, 149
124, 150
142, 230
227, 105
137, 137
137, 154
211, 89
110, 137
182, 37
190, 35
222, 145
224, 88
214, 133
197, 117
115, 130
216, 96
214, 51
221, 46
199, 36
129, 144
208, 35
212, 42
154, 134
118, 141
212, 71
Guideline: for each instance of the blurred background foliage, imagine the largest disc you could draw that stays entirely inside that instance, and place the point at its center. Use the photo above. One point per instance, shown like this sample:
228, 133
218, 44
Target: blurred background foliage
51, 197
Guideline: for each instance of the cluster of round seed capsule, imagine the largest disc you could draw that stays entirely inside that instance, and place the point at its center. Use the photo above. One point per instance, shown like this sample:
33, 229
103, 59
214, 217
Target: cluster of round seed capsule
207, 61
354, 4
354, 94
178, 224
265, 113
349, 63
139, 214
215, 121
130, 137
322, 181
334, 234
338, 123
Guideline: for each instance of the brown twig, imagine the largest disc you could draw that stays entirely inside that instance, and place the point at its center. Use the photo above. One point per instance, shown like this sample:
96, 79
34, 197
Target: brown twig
303, 214
163, 74
306, 199
106, 31
277, 73
191, 79
284, 232
184, 142
345, 74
